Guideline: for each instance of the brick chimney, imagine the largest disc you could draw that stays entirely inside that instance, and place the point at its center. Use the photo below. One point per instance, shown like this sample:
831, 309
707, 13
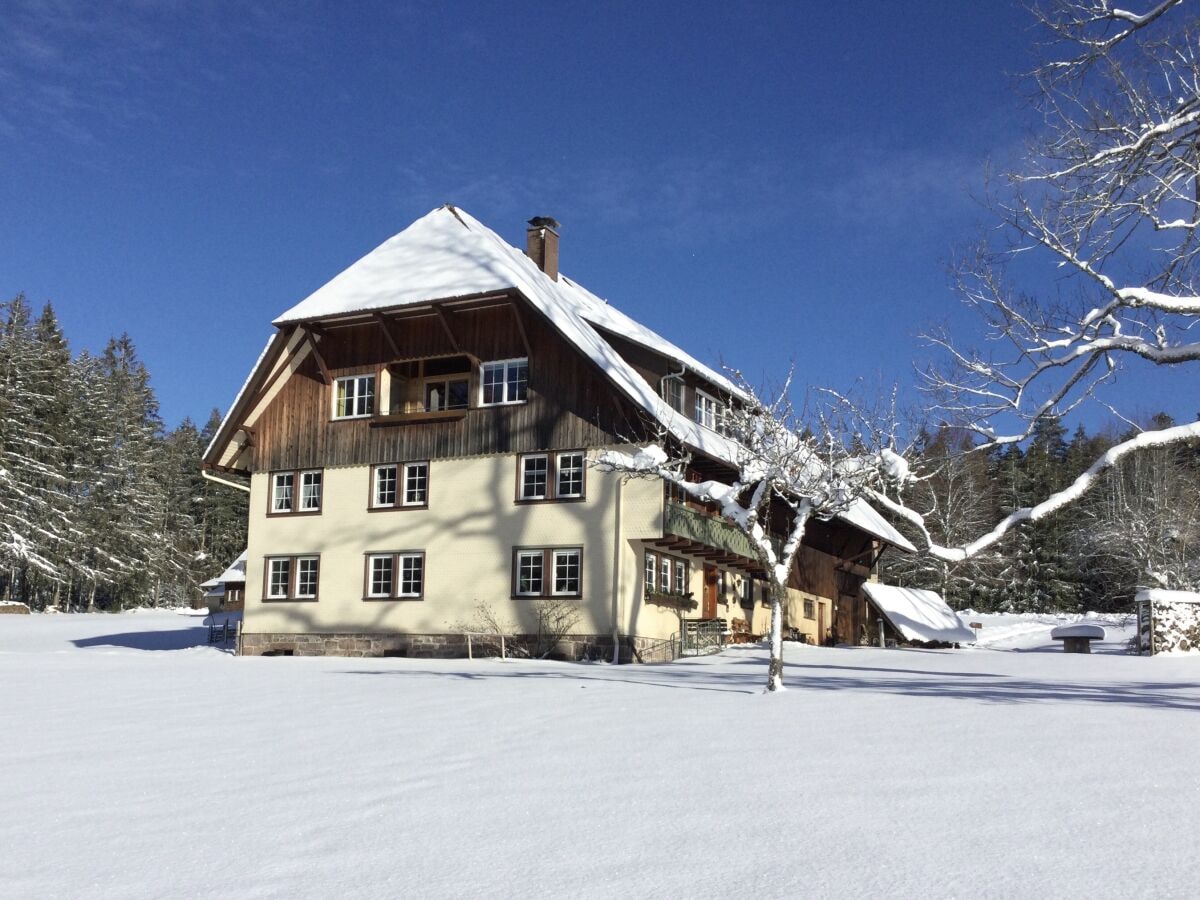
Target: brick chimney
542, 244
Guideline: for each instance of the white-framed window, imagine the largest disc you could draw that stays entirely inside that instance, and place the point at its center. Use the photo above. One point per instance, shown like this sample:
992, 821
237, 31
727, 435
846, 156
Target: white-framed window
283, 486
383, 487
548, 572
292, 577
354, 397
296, 492
706, 410
673, 393
416, 484
666, 574
310, 491
567, 572
551, 476
395, 576
530, 579
307, 572
570, 476
504, 381
279, 578
400, 485
535, 477
381, 575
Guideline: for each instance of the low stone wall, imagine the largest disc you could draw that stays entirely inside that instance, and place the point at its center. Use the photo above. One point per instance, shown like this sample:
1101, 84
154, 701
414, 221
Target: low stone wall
444, 646
12, 608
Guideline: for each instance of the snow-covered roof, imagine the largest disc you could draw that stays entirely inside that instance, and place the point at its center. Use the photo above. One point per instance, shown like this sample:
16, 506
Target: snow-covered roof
236, 571
1161, 595
918, 614
447, 255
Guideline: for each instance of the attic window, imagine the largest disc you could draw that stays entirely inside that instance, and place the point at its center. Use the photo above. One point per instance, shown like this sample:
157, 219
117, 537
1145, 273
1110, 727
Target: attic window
706, 410
504, 381
354, 397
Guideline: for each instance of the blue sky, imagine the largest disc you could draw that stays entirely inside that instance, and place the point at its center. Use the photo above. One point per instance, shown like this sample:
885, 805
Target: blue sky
762, 183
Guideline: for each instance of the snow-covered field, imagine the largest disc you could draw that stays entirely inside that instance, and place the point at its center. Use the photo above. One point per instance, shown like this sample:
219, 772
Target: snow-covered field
137, 762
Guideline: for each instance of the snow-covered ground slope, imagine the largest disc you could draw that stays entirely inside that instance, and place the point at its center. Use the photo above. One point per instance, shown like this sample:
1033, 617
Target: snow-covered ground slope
137, 762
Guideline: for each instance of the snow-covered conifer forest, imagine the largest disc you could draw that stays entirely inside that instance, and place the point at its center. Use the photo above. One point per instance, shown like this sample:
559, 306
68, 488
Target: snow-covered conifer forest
101, 507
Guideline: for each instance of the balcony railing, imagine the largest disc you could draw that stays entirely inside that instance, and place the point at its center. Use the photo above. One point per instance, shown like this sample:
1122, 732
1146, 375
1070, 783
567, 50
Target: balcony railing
684, 522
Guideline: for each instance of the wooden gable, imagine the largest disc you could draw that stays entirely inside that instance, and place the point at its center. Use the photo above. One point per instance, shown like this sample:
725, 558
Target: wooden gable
570, 402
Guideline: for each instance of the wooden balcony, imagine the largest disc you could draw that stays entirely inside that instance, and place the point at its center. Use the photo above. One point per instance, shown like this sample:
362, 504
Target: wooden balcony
707, 536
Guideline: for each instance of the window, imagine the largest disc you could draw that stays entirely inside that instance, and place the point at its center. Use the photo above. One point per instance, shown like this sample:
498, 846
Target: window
291, 577
354, 397
747, 593
810, 609
666, 574
534, 477
446, 394
673, 393
544, 476
548, 571
570, 475
506, 381
281, 491
395, 576
284, 497
706, 410
383, 493
566, 572
529, 573
416, 484
399, 485
310, 491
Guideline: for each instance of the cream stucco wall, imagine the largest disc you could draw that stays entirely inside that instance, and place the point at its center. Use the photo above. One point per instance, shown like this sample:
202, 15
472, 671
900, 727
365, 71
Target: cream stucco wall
467, 533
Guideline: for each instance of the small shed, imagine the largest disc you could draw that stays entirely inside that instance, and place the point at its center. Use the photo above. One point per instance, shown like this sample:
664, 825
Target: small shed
1168, 621
227, 592
916, 615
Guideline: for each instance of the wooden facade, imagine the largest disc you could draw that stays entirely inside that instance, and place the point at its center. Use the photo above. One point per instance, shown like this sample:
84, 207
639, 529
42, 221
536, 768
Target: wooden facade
570, 402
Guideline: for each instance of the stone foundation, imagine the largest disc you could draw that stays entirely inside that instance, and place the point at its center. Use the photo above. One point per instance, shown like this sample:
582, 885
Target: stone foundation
446, 646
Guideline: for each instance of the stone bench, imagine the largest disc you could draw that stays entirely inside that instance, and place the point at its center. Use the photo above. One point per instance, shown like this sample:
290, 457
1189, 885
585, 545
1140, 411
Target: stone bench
1077, 638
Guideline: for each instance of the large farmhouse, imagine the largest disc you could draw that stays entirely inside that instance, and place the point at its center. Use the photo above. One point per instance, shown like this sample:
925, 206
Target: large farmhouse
418, 431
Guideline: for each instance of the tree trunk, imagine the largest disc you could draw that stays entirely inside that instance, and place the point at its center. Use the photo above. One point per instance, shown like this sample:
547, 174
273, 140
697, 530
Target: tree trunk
775, 669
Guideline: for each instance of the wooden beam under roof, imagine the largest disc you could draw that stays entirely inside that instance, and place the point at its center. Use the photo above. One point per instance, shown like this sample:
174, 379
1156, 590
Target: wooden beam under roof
387, 333
445, 320
521, 327
311, 336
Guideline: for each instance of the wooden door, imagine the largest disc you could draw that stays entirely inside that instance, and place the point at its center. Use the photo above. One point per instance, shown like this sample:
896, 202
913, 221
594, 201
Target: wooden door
709, 610
820, 624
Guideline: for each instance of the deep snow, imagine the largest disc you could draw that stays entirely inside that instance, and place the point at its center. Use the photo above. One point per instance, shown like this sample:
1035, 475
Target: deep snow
139, 764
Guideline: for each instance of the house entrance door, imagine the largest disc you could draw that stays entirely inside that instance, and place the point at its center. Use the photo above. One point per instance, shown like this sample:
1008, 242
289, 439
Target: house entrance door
709, 610
820, 624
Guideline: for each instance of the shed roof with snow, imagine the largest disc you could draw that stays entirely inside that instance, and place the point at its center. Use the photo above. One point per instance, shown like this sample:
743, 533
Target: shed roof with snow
918, 614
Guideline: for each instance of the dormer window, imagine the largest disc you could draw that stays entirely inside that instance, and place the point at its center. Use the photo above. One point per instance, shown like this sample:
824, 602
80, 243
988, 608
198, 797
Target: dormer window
354, 397
504, 381
672, 390
706, 410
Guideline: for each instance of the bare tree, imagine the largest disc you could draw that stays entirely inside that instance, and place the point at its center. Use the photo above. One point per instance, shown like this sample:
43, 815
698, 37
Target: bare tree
784, 474
1107, 204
